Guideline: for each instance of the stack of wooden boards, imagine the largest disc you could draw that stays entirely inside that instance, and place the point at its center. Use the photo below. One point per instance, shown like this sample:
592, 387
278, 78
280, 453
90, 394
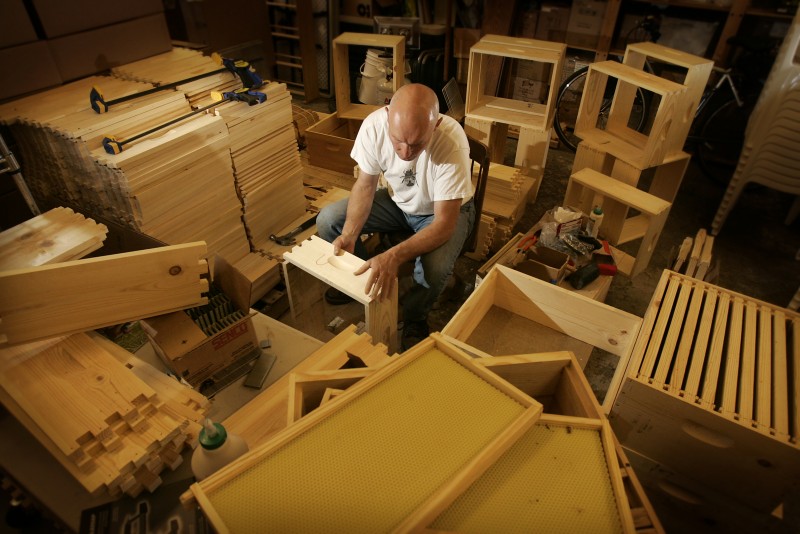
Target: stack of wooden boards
230, 178
465, 455
613, 155
112, 421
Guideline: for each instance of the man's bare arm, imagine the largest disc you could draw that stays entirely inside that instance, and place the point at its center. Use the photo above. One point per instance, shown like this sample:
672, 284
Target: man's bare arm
358, 209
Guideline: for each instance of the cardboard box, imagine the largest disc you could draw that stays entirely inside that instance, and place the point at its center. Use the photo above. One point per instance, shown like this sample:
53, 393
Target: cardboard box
529, 90
28, 67
358, 8
86, 53
543, 263
585, 22
553, 22
330, 141
191, 354
63, 18
15, 25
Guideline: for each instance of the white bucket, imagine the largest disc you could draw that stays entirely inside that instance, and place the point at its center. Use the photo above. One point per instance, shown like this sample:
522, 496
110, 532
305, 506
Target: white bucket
368, 90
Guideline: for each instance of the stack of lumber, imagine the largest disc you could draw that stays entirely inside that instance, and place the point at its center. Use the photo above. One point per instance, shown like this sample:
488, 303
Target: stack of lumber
112, 421
266, 162
694, 257
176, 65
57, 235
178, 186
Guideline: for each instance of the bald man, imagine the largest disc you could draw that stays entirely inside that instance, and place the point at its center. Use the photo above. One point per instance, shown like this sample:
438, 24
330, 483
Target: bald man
424, 157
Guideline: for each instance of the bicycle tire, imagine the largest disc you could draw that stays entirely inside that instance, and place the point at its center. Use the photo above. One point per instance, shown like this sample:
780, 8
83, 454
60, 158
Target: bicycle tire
568, 101
721, 139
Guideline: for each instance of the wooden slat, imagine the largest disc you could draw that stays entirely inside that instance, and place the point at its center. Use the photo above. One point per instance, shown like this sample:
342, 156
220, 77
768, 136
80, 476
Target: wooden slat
715, 352
749, 350
667, 353
687, 338
699, 352
92, 293
730, 383
764, 369
780, 387
659, 331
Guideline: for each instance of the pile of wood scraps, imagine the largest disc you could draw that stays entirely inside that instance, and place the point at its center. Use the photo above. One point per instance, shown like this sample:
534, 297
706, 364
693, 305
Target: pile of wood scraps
112, 429
694, 257
57, 235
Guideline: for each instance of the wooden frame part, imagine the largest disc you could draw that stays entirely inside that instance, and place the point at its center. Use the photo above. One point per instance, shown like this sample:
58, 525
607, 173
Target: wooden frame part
75, 296
564, 320
403, 386
588, 188
315, 257
616, 137
308, 391
341, 68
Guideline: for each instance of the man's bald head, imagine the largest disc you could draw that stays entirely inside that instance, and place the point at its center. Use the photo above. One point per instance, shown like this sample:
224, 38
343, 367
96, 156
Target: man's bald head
413, 116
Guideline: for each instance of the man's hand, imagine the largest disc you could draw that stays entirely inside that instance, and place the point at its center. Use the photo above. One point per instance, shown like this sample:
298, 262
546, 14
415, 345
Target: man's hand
383, 277
344, 242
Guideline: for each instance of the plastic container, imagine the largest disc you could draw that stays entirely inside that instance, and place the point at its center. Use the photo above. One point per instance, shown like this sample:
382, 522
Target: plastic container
594, 222
217, 448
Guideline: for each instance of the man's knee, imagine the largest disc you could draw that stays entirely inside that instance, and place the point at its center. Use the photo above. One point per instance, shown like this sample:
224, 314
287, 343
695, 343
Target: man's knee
330, 220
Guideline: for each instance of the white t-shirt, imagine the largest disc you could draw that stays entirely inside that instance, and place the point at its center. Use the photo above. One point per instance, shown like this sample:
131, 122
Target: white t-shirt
440, 172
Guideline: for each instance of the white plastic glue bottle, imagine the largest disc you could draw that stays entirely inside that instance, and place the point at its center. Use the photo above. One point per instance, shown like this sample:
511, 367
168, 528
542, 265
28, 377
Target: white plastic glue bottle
217, 448
595, 220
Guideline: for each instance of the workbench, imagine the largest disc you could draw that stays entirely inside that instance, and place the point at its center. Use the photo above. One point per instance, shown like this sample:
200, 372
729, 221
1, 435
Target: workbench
37, 473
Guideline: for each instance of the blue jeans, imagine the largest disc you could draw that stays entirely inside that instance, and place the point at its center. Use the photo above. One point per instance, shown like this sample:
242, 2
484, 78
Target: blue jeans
431, 271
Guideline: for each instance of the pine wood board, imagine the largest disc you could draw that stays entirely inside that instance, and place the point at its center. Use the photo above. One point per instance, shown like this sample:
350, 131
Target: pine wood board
57, 235
92, 293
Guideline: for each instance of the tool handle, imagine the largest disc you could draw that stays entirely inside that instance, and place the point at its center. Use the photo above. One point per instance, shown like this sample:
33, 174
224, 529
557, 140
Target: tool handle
111, 145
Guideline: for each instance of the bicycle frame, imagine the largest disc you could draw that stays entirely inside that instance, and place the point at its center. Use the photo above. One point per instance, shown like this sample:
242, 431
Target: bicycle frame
726, 77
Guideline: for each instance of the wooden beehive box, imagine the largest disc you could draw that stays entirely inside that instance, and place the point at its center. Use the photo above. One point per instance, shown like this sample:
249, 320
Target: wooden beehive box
345, 108
711, 391
640, 149
695, 71
430, 423
330, 141
513, 313
481, 100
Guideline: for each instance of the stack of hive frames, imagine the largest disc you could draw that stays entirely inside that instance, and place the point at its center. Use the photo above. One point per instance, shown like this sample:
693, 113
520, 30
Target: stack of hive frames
473, 415
572, 423
713, 383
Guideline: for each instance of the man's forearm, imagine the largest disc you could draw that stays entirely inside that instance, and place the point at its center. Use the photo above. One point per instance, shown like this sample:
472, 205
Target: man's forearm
358, 206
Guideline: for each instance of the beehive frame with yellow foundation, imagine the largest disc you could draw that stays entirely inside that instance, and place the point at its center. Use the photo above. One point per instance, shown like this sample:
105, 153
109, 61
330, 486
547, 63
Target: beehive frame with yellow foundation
389, 456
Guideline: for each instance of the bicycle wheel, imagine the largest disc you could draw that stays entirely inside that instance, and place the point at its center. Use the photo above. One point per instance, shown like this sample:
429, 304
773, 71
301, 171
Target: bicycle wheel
720, 140
569, 100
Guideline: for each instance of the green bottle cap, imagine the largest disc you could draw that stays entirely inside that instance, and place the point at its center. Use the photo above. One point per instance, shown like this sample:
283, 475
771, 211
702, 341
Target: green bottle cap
597, 210
212, 436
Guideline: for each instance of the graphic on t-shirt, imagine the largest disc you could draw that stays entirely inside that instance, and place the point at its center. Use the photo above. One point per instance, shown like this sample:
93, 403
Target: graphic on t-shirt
409, 178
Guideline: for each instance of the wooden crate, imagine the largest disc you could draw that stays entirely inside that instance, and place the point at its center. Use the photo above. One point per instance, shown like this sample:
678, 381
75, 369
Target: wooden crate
711, 390
588, 188
513, 313
695, 70
641, 150
317, 266
481, 102
339, 467
330, 141
341, 68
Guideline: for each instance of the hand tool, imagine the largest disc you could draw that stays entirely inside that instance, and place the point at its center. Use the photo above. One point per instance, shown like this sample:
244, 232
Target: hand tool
113, 146
243, 69
288, 238
526, 242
